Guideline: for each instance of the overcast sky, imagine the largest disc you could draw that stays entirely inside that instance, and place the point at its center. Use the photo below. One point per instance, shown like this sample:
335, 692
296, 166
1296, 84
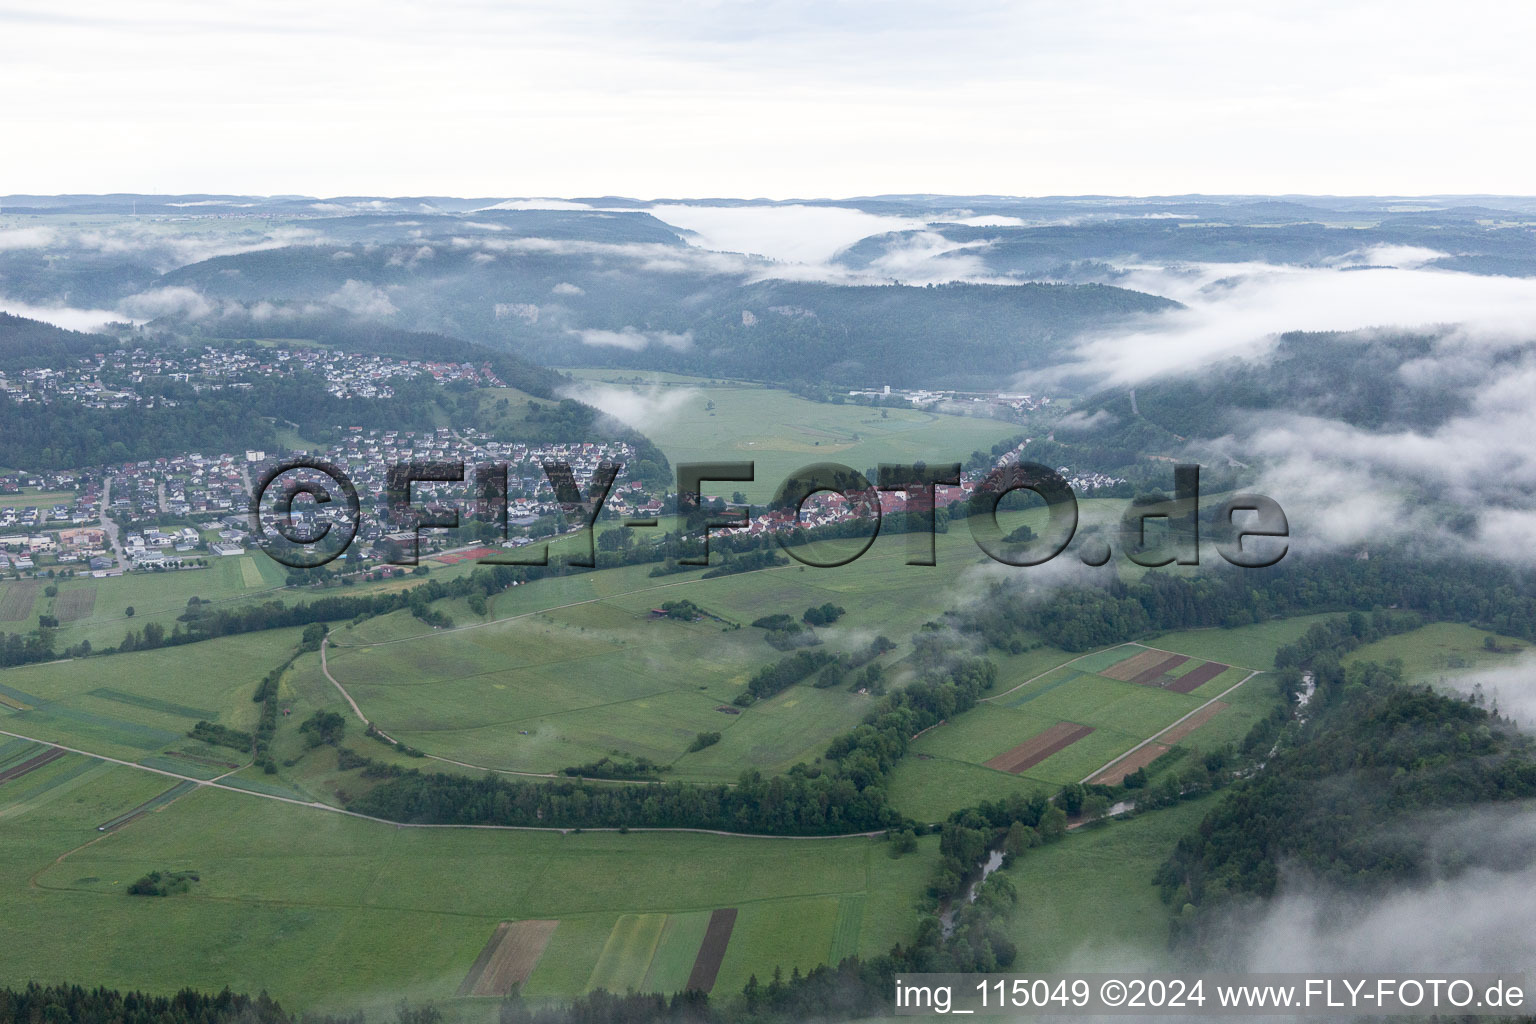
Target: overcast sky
784, 98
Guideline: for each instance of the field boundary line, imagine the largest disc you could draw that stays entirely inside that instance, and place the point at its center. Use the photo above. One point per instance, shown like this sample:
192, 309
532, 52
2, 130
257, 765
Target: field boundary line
1042, 675
321, 806
1166, 728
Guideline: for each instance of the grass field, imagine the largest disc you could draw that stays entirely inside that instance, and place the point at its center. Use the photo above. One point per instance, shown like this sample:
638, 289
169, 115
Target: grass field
1441, 649
1088, 903
31, 497
967, 759
320, 923
573, 668
1244, 646
782, 432
155, 696
928, 788
96, 609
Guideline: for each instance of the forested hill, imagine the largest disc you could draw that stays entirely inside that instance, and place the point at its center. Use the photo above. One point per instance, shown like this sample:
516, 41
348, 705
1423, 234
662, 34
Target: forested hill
1355, 377
1473, 240
26, 343
358, 336
175, 416
951, 335
1349, 802
666, 308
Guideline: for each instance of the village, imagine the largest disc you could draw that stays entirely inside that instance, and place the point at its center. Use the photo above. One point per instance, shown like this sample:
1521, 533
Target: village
172, 513
115, 380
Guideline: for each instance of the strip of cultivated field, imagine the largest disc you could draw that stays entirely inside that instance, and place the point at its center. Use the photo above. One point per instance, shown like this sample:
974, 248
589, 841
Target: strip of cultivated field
1198, 677
31, 764
627, 954
1154, 676
16, 604
707, 967
1128, 669
1125, 766
508, 958
75, 604
1039, 747
1193, 722
147, 806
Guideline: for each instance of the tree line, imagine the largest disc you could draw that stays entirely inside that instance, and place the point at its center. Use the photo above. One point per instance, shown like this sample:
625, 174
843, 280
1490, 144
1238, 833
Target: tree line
1339, 795
1080, 618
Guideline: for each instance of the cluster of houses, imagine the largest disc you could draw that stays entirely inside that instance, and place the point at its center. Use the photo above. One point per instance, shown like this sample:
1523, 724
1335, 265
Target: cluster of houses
922, 398
113, 380
825, 507
214, 490
367, 456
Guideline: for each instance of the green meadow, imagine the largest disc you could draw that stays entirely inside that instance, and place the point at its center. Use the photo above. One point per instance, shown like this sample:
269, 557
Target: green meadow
361, 913
697, 420
1442, 649
130, 706
1088, 902
569, 669
1251, 647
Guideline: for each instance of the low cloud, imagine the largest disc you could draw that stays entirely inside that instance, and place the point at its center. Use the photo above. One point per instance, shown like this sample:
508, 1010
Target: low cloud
165, 250
927, 257
1087, 421
537, 204
1471, 914
362, 300
1240, 310
178, 301
1460, 481
27, 238
791, 233
1511, 688
68, 317
1348, 485
634, 339
1470, 920
644, 410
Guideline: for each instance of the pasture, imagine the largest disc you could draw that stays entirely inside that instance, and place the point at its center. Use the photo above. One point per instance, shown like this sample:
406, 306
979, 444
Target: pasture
1442, 649
1088, 903
569, 669
695, 420
361, 913
152, 699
